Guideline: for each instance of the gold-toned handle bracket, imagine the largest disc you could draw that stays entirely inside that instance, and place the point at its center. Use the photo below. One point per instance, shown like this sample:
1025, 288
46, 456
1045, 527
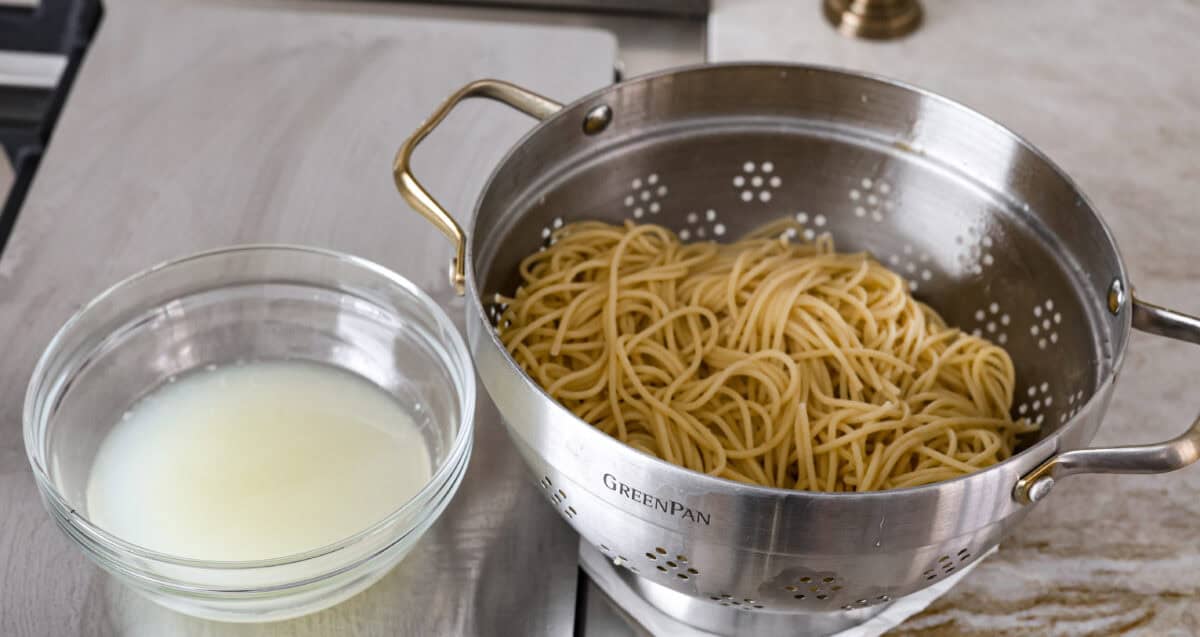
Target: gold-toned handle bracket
415, 194
1173, 454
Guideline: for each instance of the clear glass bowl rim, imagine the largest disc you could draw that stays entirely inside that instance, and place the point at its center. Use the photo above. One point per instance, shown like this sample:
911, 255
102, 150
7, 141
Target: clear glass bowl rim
39, 390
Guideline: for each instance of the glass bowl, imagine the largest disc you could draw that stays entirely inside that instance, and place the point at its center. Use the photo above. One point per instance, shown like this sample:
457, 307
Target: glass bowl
239, 304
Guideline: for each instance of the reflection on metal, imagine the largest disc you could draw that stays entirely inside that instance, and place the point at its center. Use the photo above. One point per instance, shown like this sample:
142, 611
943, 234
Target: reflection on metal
873, 19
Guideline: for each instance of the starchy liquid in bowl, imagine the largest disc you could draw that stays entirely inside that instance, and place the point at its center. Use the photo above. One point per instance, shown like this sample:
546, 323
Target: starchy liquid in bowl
767, 361
256, 461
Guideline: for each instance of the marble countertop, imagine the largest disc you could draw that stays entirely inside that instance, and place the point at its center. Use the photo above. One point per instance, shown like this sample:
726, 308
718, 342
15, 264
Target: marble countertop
1110, 91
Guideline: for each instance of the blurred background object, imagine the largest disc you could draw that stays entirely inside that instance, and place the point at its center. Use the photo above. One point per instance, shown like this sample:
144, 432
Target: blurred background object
873, 19
41, 45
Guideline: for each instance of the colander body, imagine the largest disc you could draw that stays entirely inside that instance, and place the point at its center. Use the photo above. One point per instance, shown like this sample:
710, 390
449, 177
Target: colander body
984, 227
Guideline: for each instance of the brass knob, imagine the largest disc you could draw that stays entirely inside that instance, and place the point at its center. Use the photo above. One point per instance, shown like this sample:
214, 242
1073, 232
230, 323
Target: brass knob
873, 19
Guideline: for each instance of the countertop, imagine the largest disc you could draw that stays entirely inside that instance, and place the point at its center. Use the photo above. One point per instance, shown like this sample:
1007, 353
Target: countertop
1110, 91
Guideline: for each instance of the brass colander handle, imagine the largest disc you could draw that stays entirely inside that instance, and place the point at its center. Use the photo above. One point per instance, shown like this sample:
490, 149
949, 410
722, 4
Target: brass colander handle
1162, 457
415, 194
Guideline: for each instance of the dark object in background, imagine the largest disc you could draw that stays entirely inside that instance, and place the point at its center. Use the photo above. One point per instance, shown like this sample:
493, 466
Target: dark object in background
28, 113
690, 8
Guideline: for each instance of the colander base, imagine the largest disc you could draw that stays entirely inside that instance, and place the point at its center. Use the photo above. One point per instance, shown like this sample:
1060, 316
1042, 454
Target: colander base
661, 611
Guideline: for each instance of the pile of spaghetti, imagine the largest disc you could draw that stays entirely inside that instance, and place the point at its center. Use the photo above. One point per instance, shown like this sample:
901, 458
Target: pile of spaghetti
763, 361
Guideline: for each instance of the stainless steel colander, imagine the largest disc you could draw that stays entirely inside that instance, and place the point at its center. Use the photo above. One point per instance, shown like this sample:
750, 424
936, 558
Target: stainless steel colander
985, 228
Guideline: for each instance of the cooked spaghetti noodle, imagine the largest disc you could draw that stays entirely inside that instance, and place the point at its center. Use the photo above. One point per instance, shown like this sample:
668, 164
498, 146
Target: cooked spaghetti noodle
763, 361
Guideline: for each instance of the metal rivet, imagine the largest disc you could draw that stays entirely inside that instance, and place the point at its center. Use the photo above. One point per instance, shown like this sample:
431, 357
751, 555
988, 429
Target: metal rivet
1040, 489
1116, 296
597, 119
